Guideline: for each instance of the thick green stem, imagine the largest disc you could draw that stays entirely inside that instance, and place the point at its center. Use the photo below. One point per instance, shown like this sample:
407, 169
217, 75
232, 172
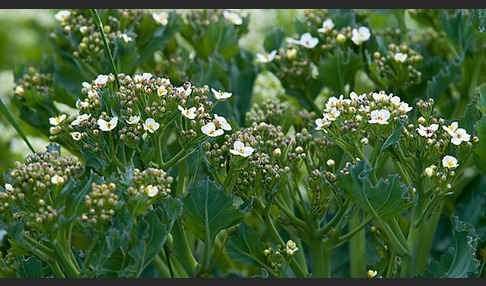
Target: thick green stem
357, 249
321, 259
161, 266
182, 250
426, 238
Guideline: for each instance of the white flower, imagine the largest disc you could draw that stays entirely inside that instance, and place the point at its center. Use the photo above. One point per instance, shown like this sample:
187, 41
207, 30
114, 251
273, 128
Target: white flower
449, 162
57, 120
126, 38
186, 92
101, 80
429, 171
133, 119
240, 149
292, 41
395, 100
107, 125
9, 187
222, 123
380, 116
427, 131
381, 96
360, 35
460, 135
331, 103
62, 15
266, 58
151, 125
332, 115
233, 18
327, 26
57, 180
220, 95
372, 273
83, 29
80, 118
76, 136
161, 90
400, 57
189, 113
152, 191
451, 129
308, 41
330, 162
210, 130
322, 122
86, 85
143, 77
404, 107
291, 247
82, 104
161, 18
54, 130
19, 90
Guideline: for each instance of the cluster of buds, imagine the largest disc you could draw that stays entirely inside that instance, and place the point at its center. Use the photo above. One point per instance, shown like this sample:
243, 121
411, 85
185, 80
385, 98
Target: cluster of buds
269, 111
100, 204
305, 143
152, 183
197, 21
276, 257
30, 195
79, 23
398, 67
33, 80
264, 146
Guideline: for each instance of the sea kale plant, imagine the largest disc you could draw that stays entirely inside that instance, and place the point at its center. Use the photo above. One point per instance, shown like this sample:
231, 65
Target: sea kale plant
163, 162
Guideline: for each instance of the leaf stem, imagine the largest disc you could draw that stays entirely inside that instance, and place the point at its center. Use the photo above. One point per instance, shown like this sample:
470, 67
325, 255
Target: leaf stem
99, 25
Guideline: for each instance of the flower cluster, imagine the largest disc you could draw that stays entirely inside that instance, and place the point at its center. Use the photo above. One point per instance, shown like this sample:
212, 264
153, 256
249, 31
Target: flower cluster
264, 147
138, 110
118, 24
444, 145
33, 80
398, 67
151, 183
361, 118
270, 111
100, 204
282, 253
33, 186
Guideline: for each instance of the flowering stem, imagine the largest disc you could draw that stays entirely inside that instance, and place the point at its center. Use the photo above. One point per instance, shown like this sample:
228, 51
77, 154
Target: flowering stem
99, 25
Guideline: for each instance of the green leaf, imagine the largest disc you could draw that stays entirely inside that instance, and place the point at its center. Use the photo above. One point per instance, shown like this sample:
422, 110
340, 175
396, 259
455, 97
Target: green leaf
393, 138
482, 99
208, 210
30, 268
480, 148
246, 246
460, 261
441, 81
339, 69
274, 39
15, 125
386, 199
